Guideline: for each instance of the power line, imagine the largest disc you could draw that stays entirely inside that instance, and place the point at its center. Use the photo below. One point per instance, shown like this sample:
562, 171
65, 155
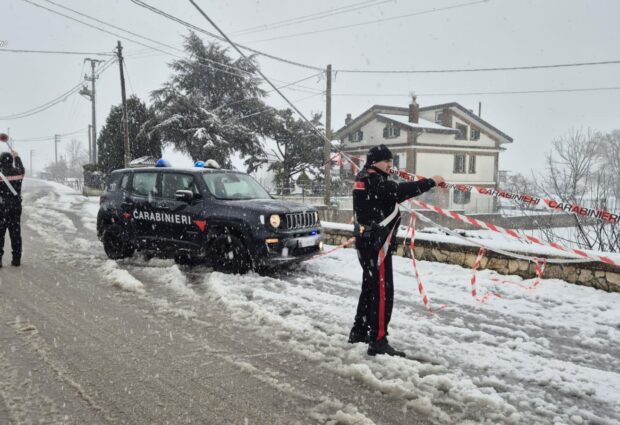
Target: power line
237, 48
198, 29
56, 100
235, 68
93, 26
479, 93
506, 68
49, 137
424, 12
311, 17
55, 52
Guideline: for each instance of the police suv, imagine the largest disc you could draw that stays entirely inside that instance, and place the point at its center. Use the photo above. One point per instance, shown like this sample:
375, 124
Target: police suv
223, 218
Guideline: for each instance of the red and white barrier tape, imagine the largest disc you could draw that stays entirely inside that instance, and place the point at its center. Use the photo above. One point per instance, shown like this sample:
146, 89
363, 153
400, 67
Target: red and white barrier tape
540, 269
551, 204
512, 233
481, 251
421, 290
336, 248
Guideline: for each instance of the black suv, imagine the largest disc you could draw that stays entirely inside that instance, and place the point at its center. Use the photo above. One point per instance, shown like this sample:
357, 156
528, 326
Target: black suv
223, 218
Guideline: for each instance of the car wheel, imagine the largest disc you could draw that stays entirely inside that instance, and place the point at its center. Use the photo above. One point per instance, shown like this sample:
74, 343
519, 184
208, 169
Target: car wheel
185, 260
229, 255
115, 243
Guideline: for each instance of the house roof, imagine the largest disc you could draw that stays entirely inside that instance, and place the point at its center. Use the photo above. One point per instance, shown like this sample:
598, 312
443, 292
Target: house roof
422, 124
401, 115
469, 114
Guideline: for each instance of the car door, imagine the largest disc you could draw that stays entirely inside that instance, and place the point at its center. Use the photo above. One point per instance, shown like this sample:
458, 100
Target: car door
181, 221
144, 194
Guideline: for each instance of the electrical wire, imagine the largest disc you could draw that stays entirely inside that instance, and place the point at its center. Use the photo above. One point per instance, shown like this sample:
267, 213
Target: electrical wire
198, 29
311, 17
506, 68
56, 52
49, 137
291, 104
58, 99
216, 63
424, 12
479, 93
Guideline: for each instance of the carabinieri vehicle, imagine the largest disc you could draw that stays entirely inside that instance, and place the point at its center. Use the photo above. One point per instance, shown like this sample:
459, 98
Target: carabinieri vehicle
223, 218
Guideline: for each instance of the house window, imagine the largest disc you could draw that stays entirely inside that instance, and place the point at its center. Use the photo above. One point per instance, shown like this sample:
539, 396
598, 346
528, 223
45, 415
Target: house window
462, 132
357, 136
391, 131
461, 198
459, 164
396, 161
474, 134
439, 117
472, 164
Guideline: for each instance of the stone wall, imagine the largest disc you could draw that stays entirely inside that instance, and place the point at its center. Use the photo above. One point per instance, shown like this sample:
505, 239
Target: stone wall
531, 222
594, 274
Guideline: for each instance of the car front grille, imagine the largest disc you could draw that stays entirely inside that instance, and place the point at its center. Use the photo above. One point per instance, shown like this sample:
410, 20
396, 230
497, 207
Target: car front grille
300, 220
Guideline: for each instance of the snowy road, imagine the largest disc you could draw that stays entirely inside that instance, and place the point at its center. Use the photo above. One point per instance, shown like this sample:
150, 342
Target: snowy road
87, 340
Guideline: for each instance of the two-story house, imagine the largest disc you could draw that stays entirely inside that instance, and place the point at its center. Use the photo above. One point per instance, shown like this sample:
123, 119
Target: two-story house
445, 139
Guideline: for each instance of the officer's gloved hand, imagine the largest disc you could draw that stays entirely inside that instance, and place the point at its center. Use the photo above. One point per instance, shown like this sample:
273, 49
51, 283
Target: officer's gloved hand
438, 180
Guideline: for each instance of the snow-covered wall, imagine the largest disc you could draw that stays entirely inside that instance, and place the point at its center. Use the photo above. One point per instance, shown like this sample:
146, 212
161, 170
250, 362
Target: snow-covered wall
447, 249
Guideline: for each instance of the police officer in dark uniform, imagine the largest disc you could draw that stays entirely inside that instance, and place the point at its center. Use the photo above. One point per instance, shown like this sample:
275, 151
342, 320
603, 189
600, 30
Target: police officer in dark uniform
375, 203
11, 203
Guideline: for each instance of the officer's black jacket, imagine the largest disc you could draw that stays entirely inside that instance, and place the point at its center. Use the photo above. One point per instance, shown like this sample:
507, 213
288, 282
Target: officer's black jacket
18, 170
375, 196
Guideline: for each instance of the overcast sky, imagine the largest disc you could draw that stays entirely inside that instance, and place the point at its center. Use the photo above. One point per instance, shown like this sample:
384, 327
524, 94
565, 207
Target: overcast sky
437, 34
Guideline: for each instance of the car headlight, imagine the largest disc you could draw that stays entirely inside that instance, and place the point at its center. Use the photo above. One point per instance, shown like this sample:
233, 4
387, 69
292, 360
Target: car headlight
274, 220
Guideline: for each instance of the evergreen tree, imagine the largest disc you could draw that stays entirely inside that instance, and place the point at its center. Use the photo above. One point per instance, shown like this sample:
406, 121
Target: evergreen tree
110, 142
297, 148
210, 107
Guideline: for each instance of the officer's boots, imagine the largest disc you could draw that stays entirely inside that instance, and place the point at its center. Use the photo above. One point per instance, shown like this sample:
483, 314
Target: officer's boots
382, 347
16, 261
359, 334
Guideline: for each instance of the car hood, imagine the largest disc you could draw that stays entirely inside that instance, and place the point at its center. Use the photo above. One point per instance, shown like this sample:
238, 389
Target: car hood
271, 206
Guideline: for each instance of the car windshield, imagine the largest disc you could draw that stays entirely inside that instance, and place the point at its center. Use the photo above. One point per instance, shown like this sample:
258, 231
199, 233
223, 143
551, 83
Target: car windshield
234, 186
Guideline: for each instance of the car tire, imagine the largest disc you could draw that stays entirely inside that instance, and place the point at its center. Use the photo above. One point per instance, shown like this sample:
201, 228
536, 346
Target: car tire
115, 243
185, 260
229, 255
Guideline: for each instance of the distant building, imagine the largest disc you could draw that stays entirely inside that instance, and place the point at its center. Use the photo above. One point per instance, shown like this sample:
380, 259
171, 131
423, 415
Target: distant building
445, 139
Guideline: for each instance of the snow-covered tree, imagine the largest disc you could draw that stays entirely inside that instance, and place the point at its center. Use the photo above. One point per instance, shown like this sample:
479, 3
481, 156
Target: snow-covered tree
111, 138
298, 149
211, 106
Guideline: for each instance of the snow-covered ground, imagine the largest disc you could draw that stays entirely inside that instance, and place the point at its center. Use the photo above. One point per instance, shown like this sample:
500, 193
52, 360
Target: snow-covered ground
546, 356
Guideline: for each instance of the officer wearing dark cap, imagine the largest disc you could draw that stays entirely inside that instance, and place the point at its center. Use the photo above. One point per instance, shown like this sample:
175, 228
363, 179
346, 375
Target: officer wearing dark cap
11, 177
375, 204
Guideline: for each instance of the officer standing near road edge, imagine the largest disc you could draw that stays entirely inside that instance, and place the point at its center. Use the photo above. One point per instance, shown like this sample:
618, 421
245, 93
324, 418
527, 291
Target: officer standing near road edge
11, 203
375, 204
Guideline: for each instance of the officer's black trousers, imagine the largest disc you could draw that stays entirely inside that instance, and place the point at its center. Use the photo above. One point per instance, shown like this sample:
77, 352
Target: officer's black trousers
374, 308
10, 219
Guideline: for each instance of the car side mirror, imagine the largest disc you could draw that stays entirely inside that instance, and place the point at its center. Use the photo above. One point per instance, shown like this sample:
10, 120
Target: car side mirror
184, 195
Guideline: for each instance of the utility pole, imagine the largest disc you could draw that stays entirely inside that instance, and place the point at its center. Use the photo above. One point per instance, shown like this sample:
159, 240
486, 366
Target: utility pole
56, 141
327, 149
91, 95
90, 146
31, 169
126, 148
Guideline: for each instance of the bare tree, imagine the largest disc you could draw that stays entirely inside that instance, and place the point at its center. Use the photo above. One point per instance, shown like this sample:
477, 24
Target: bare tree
580, 171
76, 158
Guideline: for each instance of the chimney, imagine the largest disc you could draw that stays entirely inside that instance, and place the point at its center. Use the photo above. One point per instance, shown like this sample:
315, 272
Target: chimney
348, 119
414, 111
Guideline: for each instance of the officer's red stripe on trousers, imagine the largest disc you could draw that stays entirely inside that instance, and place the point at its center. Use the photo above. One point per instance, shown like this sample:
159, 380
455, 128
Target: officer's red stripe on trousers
13, 178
